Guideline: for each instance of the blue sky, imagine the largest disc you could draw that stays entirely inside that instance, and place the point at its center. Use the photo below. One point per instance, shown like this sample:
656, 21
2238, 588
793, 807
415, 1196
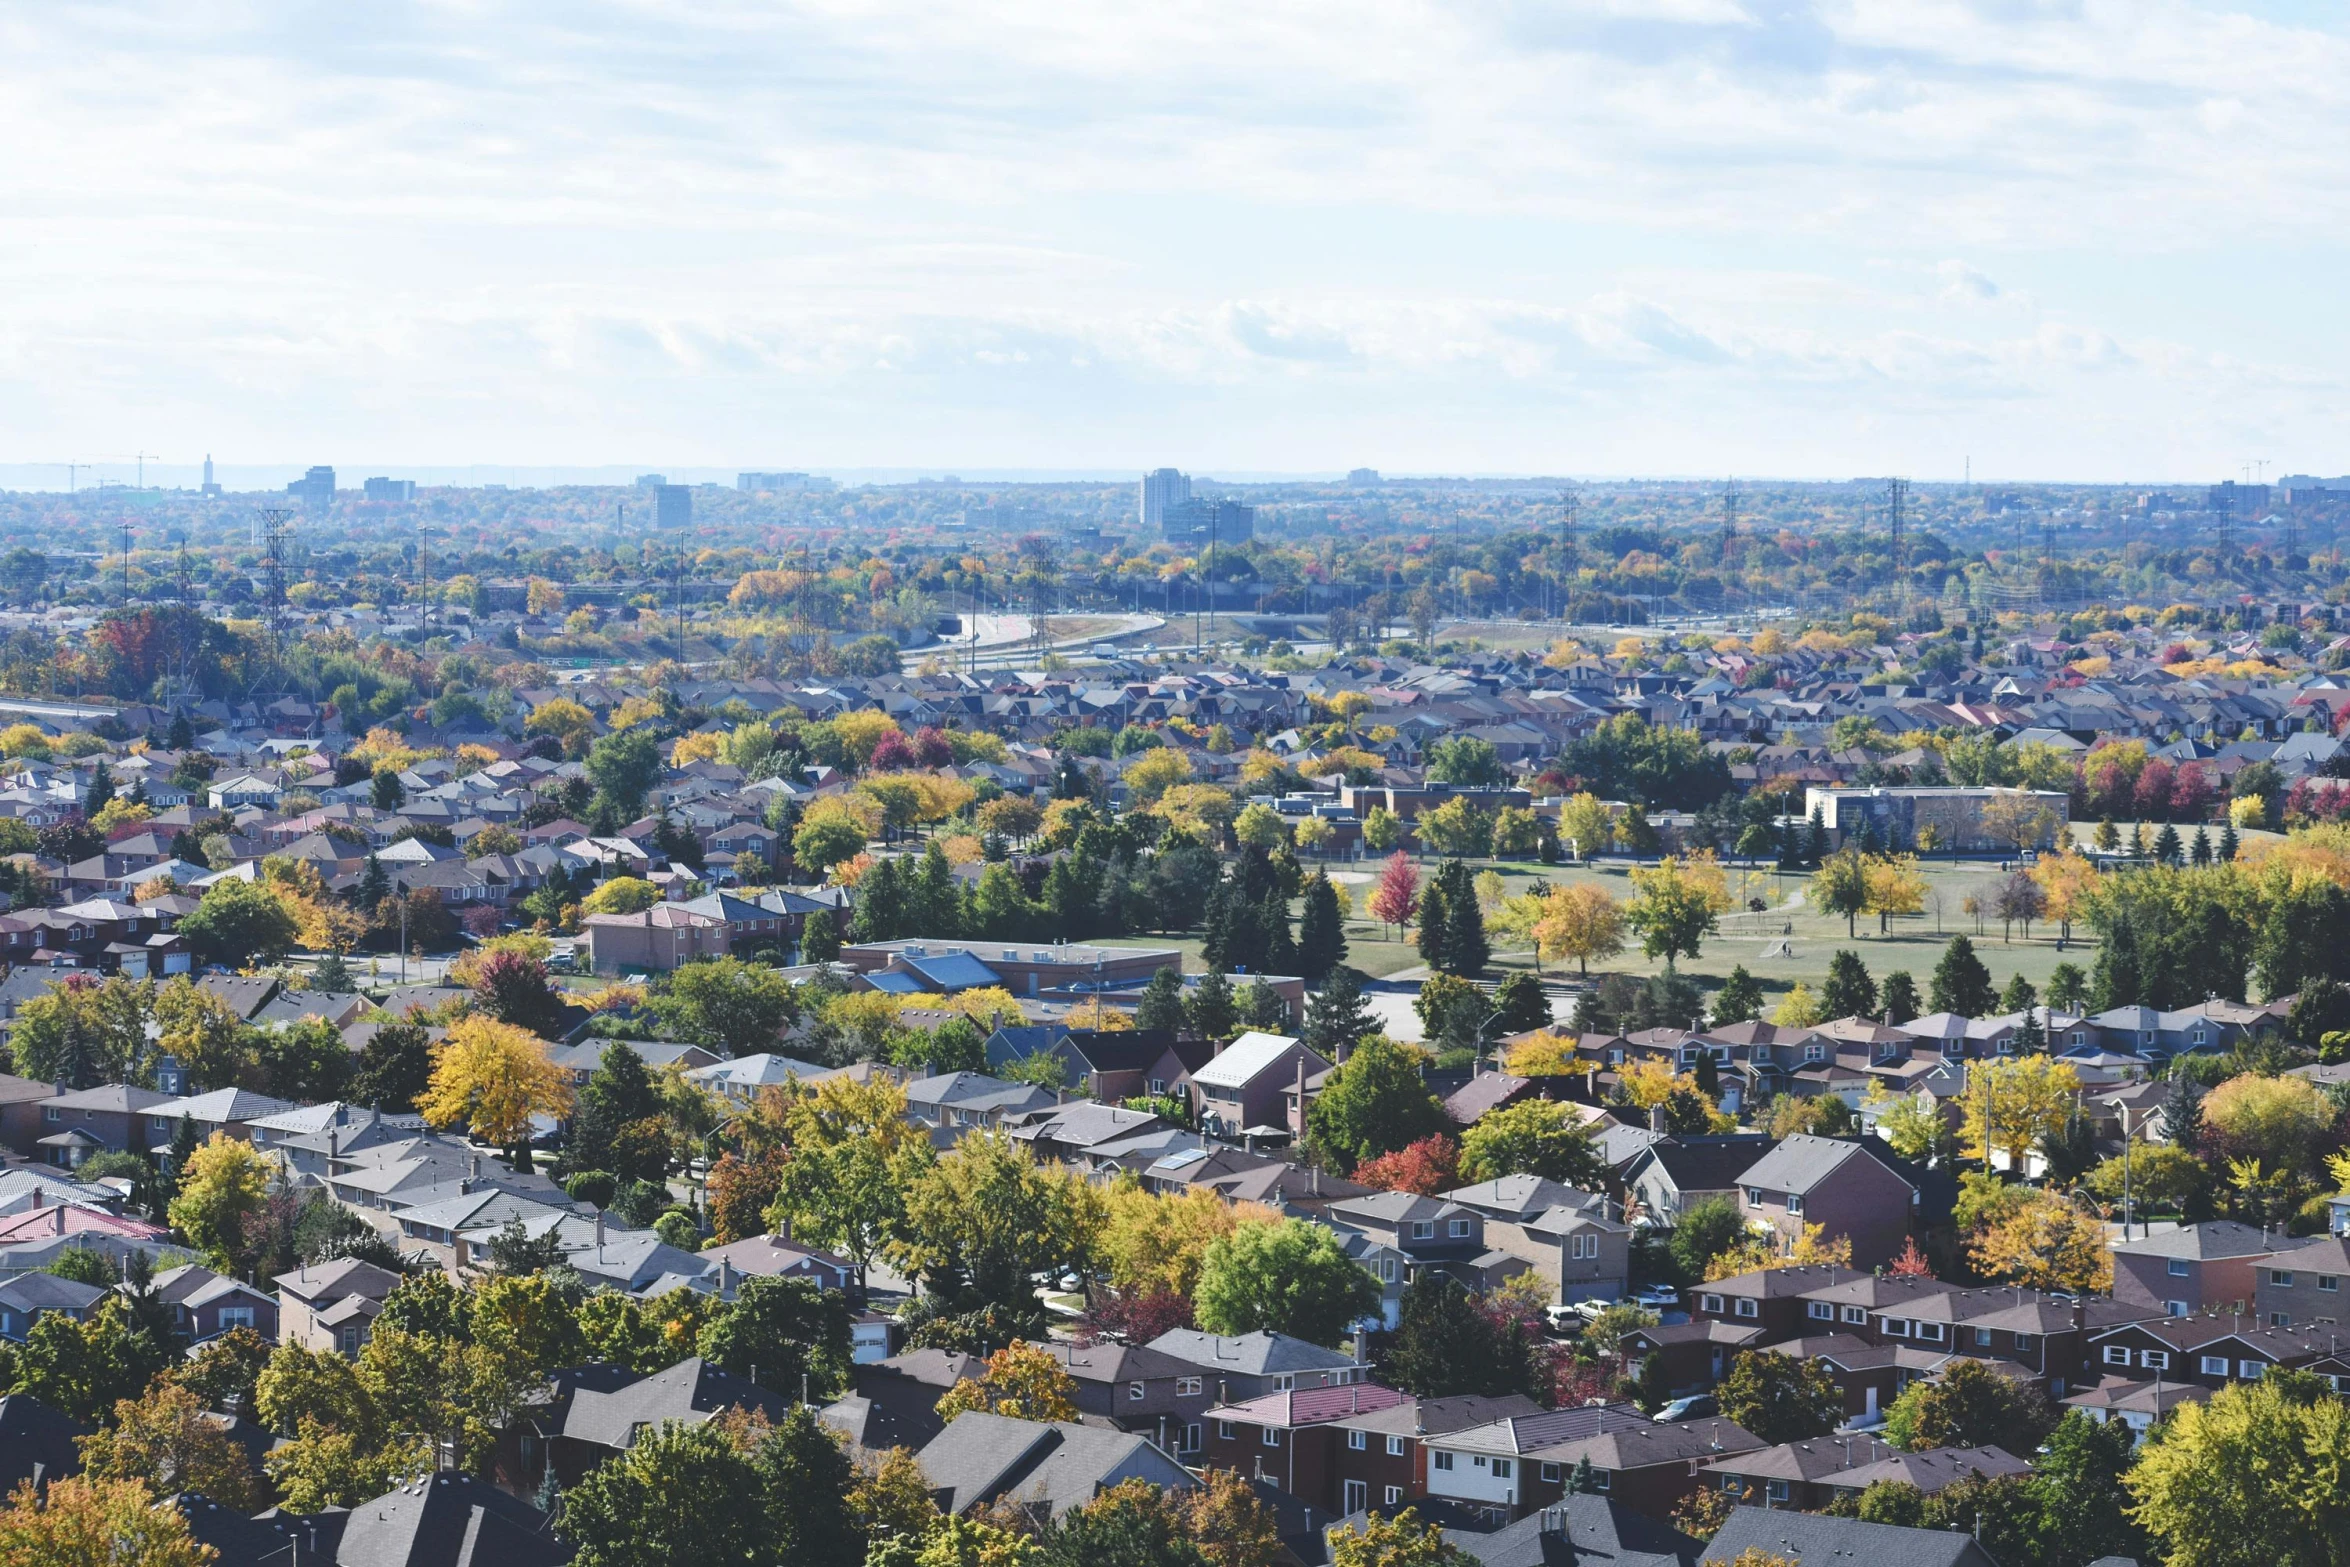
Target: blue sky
2066, 238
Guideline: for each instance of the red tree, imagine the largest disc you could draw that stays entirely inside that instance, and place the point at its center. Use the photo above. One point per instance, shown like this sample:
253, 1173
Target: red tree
933, 749
2152, 795
1397, 897
892, 754
1429, 1166
1912, 1263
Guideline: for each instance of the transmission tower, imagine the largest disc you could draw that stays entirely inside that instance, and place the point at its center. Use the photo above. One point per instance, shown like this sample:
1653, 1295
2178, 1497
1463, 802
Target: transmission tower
276, 528
181, 540
1729, 532
1896, 494
1570, 512
424, 578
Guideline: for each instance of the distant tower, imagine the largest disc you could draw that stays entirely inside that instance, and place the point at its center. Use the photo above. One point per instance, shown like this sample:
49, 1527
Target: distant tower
210, 488
1162, 488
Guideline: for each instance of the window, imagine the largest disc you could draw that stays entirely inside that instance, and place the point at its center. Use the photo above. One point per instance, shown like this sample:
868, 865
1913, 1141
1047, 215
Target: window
1930, 1332
1601, 1481
1459, 1228
1794, 1203
1394, 1494
1820, 1311
53, 1114
1158, 1085
350, 1341
1134, 1392
2178, 1267
1387, 1269
2174, 1308
1395, 1447
2155, 1360
1477, 1459
1284, 1382
1858, 1314
1191, 1441
1896, 1327
1442, 1461
2215, 1365
2023, 1342
2328, 1283
235, 1317
1815, 1052
2280, 1319
2280, 1277
1754, 1197
1360, 1441
157, 1123
1775, 1491
1982, 1338
1749, 1308
1223, 1430
1272, 1436
1503, 1469
1583, 1246
2116, 1355
1423, 1229
1187, 1387
1709, 1303
1550, 1474
2251, 1370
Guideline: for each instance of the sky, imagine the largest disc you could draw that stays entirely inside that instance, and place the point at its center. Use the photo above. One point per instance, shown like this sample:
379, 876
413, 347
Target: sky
2053, 239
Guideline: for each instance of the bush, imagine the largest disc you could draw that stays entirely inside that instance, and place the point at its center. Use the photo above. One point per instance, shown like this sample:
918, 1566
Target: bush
593, 1187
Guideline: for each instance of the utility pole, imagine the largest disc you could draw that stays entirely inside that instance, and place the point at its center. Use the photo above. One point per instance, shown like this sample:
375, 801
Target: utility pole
424, 595
1570, 505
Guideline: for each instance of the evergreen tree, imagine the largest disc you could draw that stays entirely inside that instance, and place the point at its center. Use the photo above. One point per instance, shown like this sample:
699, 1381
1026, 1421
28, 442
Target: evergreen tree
1321, 932
1435, 925
936, 901
1520, 1004
1584, 1481
2115, 980
1337, 1016
616, 1125
375, 884
1740, 1000
820, 937
2018, 996
1210, 1007
880, 914
183, 734
1466, 949
1161, 1005
1961, 983
1849, 992
1261, 1006
1280, 955
2182, 1113
2199, 853
2166, 845
101, 790
2227, 843
1815, 847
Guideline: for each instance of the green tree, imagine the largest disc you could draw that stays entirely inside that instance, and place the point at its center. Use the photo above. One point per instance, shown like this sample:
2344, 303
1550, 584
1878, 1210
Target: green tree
1740, 1000
609, 1121
240, 923
1161, 1003
807, 1480
779, 1330
1899, 998
1782, 1399
623, 767
678, 1493
1132, 1524
395, 1067
1840, 886
984, 1215
1464, 761
726, 1005
1288, 1276
1337, 1016
86, 1032
1520, 1004
1971, 1406
1961, 983
1210, 1007
1849, 992
1373, 1103
2249, 1479
1397, 1541
820, 937
1538, 1137
1706, 1229
2080, 1488
1321, 930
1448, 1343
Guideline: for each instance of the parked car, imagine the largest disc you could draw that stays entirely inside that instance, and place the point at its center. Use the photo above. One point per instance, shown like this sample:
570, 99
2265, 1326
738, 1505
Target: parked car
1656, 1297
1695, 1407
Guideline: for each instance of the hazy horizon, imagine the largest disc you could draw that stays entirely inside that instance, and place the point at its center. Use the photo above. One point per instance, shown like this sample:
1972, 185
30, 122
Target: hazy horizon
2074, 241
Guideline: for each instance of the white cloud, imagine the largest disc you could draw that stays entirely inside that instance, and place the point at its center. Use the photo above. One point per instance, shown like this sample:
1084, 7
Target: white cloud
903, 231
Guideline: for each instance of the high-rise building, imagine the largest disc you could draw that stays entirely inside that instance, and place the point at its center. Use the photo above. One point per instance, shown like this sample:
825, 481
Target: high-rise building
1199, 522
315, 488
1162, 488
651, 481
389, 489
1363, 478
673, 506
210, 488
780, 483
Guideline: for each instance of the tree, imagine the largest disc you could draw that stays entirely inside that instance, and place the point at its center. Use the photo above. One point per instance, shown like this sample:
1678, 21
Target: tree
1210, 1008
1321, 930
1970, 1406
1520, 1004
1781, 1399
395, 1068
85, 1032
726, 1005
679, 1493
1579, 920
2012, 1103
2067, 883
1706, 1229
1895, 887
1740, 1000
1899, 997
623, 767
1465, 762
166, 1440
610, 1120
1961, 984
1161, 1003
2082, 1494
852, 1154
83, 1369
1677, 906
2250, 1478
1373, 1103
1287, 1277
93, 1522
1337, 1017
494, 1077
200, 1032
786, 1334
1840, 886
1849, 992
240, 923
226, 1182
983, 1216
1535, 1138
2280, 1121
1023, 1381
1132, 1524
1397, 1541
808, 1479
1912, 1125
1397, 896
1428, 1167
1447, 1344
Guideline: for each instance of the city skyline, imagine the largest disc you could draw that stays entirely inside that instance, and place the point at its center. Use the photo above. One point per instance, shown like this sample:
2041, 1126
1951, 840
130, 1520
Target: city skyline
2058, 242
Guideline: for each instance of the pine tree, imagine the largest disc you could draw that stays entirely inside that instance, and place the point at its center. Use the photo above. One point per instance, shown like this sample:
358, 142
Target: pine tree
820, 937
1161, 1005
1740, 1000
2200, 852
2108, 837
1279, 954
101, 790
880, 914
1466, 950
1435, 925
2228, 843
1584, 1481
1815, 848
1337, 1016
1962, 985
2166, 845
1210, 1006
375, 884
183, 734
1849, 992
935, 900
1321, 932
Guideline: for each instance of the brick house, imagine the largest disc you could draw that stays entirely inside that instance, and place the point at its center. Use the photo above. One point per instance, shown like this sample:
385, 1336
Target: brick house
2192, 1269
1843, 1185
1292, 1438
1138, 1390
111, 1118
332, 1308
2300, 1285
661, 938
1515, 1466
1249, 1082
2214, 1351
205, 1304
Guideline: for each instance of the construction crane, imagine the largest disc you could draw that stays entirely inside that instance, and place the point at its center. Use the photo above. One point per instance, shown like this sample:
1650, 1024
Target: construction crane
142, 459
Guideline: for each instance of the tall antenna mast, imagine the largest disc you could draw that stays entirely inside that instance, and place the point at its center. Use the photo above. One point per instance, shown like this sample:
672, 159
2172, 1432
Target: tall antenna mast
1896, 492
424, 594
275, 528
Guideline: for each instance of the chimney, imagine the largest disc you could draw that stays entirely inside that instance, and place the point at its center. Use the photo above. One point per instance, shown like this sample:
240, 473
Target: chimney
1362, 1349
1656, 1118
475, 1169
599, 1232
334, 1149
725, 1277
785, 1233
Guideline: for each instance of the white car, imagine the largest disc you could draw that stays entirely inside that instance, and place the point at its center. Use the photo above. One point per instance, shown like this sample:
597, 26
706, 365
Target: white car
1657, 1297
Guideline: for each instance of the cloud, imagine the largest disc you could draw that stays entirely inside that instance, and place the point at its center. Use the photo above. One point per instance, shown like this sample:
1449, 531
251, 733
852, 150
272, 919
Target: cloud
1962, 284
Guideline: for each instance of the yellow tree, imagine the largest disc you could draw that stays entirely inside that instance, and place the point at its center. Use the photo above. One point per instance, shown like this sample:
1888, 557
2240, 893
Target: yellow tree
1023, 1381
1758, 1252
166, 1439
2011, 1103
2045, 1243
96, 1523
1153, 1245
1580, 920
227, 1180
494, 1077
1895, 886
2067, 882
1156, 771
1585, 824
861, 731
1678, 904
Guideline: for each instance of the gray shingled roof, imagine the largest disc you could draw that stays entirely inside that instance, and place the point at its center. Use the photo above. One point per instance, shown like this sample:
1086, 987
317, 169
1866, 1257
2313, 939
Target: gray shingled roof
1249, 1354
1801, 1163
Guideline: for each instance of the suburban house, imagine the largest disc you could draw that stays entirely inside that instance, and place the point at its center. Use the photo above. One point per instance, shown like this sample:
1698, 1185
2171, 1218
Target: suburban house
1043, 1468
1669, 1176
1242, 1367
332, 1307
2192, 1269
1846, 1186
1244, 1087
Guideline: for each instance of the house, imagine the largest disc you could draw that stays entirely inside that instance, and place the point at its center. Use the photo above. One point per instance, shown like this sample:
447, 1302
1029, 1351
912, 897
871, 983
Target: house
1570, 1238
230, 1111
448, 1519
605, 1420
1431, 1233
37, 1444
1847, 1186
664, 937
1292, 1438
900, 1394
1931, 1470
2215, 1351
1108, 1065
2136, 1404
205, 1304
1137, 1389
1513, 1466
1671, 1175
1243, 1367
28, 1297
1773, 1299
1815, 1539
1697, 1353
1244, 1087
21, 1125
1043, 1468
2193, 1269
1795, 1474
778, 1256
332, 1307
742, 1078
1068, 970
110, 1118
1239, 1176
1580, 1531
